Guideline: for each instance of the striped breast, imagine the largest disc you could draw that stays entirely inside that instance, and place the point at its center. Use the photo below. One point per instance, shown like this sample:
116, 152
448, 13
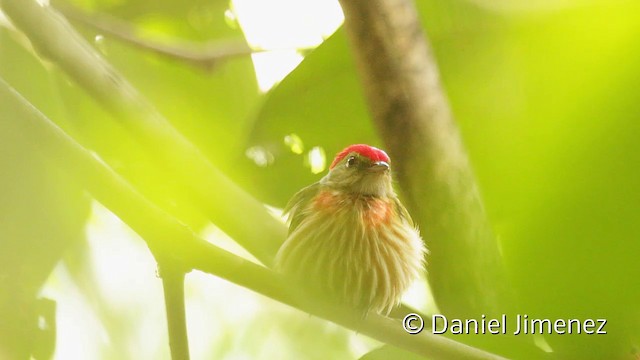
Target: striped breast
356, 248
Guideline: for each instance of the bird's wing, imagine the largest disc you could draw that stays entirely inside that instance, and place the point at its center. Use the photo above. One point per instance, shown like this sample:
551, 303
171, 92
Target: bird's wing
298, 204
403, 212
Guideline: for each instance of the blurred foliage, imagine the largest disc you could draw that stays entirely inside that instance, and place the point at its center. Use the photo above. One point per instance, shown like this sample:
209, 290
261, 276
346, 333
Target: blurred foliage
210, 108
389, 352
546, 98
42, 214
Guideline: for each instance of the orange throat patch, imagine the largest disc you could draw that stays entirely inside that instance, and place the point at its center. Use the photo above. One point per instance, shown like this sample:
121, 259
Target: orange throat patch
374, 211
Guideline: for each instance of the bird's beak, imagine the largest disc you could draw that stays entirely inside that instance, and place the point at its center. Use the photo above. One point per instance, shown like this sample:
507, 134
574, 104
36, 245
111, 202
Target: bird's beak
379, 166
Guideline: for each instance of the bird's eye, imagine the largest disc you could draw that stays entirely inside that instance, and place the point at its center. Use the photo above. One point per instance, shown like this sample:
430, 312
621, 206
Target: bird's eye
351, 161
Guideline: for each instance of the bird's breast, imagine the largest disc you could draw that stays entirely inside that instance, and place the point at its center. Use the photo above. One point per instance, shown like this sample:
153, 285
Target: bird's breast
371, 210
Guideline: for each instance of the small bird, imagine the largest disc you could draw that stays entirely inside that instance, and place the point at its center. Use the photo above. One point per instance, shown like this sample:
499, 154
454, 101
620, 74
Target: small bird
349, 235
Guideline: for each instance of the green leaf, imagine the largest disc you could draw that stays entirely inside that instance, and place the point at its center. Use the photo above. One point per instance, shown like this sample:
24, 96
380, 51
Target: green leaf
321, 103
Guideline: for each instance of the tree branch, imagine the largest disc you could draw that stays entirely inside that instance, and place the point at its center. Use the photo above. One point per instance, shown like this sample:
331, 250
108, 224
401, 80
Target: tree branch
205, 56
55, 40
402, 86
173, 241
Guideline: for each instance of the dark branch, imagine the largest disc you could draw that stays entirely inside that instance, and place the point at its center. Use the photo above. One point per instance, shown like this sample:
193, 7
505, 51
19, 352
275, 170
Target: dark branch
401, 82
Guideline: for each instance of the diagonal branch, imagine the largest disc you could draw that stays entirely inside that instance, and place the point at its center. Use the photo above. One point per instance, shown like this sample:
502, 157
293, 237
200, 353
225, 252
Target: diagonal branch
55, 40
401, 82
173, 241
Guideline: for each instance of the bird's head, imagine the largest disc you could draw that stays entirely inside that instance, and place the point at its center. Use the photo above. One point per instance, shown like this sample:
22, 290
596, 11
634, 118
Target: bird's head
361, 169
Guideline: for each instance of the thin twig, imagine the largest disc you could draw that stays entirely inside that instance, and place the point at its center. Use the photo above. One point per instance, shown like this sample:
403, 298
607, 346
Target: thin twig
205, 56
174, 241
402, 86
173, 286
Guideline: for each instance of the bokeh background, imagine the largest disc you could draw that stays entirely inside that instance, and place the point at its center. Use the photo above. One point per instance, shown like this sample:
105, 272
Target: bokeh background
546, 94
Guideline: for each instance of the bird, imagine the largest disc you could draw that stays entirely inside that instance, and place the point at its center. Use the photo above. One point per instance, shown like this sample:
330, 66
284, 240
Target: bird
350, 238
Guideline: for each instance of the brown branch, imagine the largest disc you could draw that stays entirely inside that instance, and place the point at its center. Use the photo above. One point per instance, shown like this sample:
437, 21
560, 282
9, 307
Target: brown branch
402, 86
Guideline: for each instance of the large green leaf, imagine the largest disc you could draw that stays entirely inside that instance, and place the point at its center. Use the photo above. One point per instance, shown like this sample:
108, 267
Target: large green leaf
321, 104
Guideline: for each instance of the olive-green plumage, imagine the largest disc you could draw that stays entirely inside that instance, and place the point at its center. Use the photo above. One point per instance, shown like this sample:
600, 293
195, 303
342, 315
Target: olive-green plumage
350, 237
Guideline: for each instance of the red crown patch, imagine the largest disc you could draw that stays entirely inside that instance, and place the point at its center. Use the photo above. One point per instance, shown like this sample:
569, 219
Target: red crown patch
373, 153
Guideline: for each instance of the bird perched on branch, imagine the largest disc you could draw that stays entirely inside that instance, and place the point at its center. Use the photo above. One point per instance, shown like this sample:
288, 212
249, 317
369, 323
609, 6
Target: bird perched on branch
349, 235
